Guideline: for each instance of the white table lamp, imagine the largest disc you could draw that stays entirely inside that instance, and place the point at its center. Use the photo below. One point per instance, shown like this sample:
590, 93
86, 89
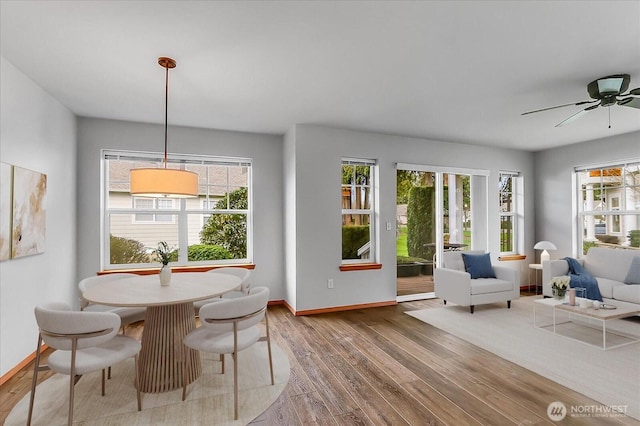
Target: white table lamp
544, 246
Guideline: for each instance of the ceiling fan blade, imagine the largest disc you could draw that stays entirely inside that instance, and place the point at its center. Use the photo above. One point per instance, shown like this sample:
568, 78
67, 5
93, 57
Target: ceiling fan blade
577, 115
635, 91
630, 102
560, 106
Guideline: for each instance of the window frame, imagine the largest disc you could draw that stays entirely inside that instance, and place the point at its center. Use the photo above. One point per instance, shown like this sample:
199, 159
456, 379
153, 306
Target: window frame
181, 212
372, 211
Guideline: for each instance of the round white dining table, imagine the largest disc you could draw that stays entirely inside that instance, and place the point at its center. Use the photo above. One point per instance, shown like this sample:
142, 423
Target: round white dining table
168, 319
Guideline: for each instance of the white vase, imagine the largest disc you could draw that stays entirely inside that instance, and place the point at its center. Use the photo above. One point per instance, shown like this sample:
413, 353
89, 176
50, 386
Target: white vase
165, 276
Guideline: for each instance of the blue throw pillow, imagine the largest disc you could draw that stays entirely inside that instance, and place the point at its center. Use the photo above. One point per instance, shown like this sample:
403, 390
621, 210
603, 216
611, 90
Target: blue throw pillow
633, 276
478, 265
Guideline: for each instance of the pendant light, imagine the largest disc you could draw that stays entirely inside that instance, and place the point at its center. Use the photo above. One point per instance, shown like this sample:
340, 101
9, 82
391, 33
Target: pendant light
164, 182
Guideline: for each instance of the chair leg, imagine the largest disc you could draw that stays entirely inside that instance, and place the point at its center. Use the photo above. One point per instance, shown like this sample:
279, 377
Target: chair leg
72, 379
184, 372
471, 308
35, 378
445, 302
222, 361
137, 384
103, 376
266, 320
109, 373
235, 386
508, 304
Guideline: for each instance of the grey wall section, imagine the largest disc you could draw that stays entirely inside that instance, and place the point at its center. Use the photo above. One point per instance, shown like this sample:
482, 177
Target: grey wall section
265, 150
555, 218
37, 133
318, 152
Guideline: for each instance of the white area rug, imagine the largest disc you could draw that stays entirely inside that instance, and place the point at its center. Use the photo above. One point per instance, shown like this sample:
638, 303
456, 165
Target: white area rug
209, 398
611, 377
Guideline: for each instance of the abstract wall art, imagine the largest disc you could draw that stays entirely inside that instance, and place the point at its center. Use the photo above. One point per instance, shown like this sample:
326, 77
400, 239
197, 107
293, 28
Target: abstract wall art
22, 212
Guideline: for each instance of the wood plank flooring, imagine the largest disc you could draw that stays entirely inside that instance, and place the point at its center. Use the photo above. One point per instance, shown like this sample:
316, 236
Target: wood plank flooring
379, 366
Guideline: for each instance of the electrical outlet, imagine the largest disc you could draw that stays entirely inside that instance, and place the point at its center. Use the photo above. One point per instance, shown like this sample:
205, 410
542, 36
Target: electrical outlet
330, 283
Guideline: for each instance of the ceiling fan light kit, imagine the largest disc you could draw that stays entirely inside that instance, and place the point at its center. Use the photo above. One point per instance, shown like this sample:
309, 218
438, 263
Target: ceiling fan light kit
164, 182
605, 92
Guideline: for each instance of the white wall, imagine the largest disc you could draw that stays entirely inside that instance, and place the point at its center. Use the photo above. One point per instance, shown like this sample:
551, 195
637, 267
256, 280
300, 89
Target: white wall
37, 133
290, 222
553, 172
317, 244
265, 150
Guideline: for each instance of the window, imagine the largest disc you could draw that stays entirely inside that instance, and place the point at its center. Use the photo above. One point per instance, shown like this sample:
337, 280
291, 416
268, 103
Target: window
507, 193
358, 211
608, 198
213, 228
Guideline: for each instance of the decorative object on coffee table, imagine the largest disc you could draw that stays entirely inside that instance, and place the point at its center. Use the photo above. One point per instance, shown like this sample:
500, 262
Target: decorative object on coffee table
559, 286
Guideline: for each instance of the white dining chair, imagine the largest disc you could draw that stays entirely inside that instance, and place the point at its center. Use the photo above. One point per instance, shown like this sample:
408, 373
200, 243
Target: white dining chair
127, 315
228, 327
84, 342
245, 285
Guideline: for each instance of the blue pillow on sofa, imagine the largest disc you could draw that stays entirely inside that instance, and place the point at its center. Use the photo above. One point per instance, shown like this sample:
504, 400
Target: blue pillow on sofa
633, 276
478, 265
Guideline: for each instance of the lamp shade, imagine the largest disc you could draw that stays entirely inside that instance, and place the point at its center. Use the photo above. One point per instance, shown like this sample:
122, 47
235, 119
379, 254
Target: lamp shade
545, 245
162, 182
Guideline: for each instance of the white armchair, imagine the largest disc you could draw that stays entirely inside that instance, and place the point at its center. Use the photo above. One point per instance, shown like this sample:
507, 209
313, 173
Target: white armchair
85, 342
453, 283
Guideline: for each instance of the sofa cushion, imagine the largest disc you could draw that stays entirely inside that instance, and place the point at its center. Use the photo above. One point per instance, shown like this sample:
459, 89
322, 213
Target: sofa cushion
633, 276
609, 263
627, 293
606, 286
453, 259
491, 285
478, 265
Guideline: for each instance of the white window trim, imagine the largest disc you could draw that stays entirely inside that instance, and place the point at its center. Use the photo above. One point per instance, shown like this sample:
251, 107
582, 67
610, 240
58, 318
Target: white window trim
514, 213
372, 211
181, 212
580, 214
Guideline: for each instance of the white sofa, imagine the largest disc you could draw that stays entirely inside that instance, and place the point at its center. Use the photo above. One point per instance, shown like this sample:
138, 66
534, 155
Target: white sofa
452, 283
609, 267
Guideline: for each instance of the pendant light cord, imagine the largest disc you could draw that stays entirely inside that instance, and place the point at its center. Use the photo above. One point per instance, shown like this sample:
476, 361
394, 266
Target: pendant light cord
166, 114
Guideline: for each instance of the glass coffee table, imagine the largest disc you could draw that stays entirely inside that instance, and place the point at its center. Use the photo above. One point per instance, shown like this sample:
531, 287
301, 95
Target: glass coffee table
586, 325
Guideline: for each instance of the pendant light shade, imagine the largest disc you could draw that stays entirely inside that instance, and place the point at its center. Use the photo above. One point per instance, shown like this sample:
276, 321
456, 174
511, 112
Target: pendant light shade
164, 182
160, 182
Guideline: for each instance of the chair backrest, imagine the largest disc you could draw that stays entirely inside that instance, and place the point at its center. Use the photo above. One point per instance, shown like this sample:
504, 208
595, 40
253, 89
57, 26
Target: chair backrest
225, 309
97, 279
58, 318
453, 259
241, 273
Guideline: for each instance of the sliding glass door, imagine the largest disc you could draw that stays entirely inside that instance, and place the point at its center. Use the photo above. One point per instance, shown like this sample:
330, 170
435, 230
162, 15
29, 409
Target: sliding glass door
438, 209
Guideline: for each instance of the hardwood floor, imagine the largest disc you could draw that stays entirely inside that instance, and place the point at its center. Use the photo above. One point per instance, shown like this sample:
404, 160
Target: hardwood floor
379, 366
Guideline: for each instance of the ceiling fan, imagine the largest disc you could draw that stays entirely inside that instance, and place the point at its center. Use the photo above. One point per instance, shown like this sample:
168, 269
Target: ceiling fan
605, 92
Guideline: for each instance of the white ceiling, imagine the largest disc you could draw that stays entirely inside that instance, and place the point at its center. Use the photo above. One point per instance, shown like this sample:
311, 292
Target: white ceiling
451, 71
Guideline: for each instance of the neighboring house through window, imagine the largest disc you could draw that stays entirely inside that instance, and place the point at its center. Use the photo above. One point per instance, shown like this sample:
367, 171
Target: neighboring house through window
214, 227
358, 211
